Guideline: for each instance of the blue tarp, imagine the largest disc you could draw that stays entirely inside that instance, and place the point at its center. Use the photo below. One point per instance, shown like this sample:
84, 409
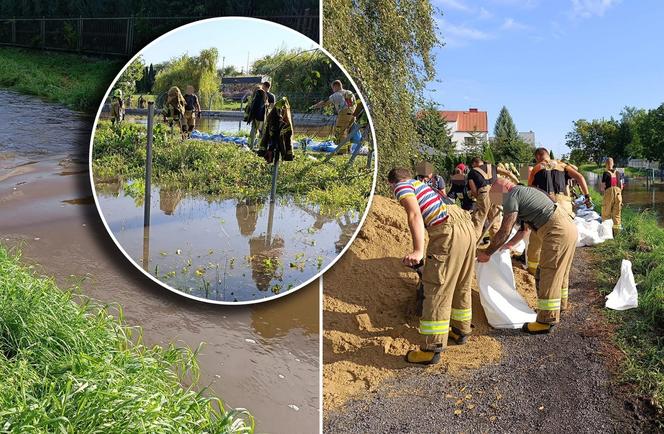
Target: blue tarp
311, 145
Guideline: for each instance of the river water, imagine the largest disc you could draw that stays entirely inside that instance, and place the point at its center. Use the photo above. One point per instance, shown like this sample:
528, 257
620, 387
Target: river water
638, 194
224, 249
264, 358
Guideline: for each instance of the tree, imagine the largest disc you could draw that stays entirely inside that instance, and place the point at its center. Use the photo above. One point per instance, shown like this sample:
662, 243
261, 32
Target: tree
387, 47
433, 131
504, 130
651, 134
507, 145
128, 79
596, 139
200, 72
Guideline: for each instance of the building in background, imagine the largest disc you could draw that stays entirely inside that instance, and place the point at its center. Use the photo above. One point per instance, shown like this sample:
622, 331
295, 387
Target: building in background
468, 128
528, 137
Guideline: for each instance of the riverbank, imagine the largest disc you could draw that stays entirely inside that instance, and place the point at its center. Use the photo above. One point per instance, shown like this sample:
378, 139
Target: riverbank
71, 367
599, 170
639, 333
264, 358
225, 170
76, 81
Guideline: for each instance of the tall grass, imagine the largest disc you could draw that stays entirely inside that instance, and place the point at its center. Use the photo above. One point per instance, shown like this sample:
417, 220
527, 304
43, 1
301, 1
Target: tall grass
79, 82
225, 170
640, 332
73, 368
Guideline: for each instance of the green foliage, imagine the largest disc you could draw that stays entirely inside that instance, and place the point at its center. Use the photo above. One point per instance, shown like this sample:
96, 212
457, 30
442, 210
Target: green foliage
225, 170
129, 78
433, 131
200, 72
74, 368
387, 47
304, 77
651, 134
595, 139
507, 145
640, 331
79, 82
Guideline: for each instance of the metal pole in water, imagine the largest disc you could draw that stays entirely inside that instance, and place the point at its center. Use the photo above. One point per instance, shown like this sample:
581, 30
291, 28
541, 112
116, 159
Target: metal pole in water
275, 174
148, 167
270, 218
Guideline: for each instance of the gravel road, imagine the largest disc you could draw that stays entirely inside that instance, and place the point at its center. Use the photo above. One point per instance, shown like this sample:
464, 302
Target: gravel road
556, 383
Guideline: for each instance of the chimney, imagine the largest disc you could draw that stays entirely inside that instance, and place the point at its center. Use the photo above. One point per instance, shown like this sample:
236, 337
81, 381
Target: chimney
472, 110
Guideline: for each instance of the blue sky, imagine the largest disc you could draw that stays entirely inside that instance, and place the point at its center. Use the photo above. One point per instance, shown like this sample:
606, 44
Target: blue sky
235, 38
550, 62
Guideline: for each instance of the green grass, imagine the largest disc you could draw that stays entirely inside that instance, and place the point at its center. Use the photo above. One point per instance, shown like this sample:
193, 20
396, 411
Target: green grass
76, 81
640, 331
629, 171
73, 368
224, 170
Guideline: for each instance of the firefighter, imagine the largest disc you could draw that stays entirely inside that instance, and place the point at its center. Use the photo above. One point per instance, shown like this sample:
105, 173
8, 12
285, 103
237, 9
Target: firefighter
611, 187
117, 107
343, 101
192, 109
448, 267
480, 178
534, 211
424, 173
552, 177
174, 110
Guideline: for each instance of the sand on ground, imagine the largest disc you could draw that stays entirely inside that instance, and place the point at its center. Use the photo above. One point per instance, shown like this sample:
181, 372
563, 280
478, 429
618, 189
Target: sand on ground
369, 318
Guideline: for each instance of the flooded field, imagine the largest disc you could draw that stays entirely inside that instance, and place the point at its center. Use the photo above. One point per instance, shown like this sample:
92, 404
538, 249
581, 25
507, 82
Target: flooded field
218, 125
224, 249
639, 194
264, 358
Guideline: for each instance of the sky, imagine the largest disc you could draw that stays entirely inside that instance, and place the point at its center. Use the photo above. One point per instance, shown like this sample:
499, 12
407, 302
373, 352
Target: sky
235, 38
549, 62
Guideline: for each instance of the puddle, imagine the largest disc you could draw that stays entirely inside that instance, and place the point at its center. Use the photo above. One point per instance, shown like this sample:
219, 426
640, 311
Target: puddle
224, 249
87, 200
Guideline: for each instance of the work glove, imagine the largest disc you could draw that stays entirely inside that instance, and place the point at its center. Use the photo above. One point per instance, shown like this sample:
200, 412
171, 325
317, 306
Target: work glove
588, 202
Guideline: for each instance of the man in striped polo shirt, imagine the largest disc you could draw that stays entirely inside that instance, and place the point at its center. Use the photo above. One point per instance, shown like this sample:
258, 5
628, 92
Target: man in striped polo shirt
448, 268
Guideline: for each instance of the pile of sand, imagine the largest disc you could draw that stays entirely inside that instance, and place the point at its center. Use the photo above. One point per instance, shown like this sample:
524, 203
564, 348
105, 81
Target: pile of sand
369, 317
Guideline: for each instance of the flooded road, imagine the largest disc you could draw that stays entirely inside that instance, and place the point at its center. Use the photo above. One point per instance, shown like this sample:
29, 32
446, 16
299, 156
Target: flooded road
263, 358
224, 249
638, 194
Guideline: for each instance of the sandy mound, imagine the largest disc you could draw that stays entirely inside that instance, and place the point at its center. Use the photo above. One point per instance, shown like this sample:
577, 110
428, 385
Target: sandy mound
369, 317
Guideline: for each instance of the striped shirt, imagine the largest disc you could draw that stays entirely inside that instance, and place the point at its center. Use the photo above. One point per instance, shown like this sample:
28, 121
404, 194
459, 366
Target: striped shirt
433, 209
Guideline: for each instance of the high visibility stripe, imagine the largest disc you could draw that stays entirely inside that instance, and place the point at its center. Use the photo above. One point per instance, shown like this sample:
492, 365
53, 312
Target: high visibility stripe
548, 303
462, 314
564, 293
434, 327
533, 264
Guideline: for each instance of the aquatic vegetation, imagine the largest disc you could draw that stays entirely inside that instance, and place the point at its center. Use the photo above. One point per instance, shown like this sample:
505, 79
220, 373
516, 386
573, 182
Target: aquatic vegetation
224, 170
73, 367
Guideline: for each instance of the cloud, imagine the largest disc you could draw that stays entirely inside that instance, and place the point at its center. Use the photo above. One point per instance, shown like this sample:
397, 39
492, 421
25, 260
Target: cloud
590, 8
484, 14
512, 24
460, 35
458, 5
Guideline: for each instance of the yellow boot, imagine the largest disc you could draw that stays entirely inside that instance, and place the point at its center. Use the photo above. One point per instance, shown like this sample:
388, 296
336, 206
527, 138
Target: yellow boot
536, 328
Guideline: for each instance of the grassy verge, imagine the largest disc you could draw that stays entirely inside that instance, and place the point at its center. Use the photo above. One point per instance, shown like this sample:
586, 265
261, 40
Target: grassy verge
224, 170
69, 367
640, 331
629, 171
76, 81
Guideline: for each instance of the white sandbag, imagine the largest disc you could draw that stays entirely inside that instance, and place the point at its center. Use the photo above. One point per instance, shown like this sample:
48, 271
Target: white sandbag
606, 230
503, 305
624, 295
520, 247
588, 232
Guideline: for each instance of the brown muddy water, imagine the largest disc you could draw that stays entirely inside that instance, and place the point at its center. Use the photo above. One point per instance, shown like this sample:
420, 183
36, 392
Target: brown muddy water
224, 249
264, 358
639, 194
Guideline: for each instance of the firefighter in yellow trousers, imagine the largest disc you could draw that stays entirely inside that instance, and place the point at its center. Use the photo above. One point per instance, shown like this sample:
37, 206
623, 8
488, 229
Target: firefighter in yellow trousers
612, 186
552, 177
533, 210
448, 267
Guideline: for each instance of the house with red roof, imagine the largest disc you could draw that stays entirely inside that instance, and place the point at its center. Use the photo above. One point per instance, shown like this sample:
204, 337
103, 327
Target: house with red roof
467, 127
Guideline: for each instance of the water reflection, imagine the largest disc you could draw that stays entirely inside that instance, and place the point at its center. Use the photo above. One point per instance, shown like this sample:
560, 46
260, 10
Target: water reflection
224, 249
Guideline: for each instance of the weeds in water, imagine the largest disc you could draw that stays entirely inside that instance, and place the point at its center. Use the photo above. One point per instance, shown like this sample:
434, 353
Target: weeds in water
74, 368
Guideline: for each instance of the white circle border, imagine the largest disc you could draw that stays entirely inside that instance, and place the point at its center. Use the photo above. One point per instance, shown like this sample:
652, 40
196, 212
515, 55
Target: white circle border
246, 302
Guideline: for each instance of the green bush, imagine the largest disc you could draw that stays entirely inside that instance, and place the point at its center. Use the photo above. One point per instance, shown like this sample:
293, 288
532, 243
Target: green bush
74, 368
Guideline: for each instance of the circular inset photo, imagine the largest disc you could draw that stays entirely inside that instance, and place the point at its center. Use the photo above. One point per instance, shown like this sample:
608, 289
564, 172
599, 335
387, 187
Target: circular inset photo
233, 160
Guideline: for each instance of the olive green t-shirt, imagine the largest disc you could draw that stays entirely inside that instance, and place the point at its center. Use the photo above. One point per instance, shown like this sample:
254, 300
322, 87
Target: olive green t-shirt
531, 205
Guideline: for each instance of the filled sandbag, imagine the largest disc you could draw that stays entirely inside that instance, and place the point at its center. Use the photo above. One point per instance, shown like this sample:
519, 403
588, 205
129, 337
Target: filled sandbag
624, 295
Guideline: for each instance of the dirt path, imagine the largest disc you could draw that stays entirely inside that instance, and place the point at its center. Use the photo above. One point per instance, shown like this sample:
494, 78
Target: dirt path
554, 383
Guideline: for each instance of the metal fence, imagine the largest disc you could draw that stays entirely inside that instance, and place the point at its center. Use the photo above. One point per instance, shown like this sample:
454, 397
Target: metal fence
116, 36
